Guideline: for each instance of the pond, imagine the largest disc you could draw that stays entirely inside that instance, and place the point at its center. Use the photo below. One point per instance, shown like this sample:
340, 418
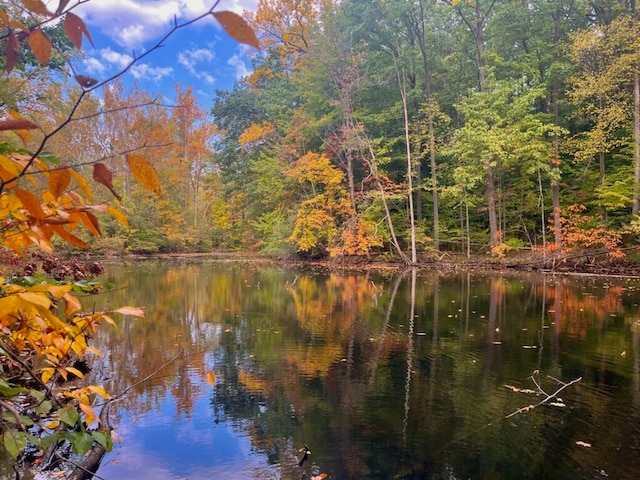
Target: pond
382, 375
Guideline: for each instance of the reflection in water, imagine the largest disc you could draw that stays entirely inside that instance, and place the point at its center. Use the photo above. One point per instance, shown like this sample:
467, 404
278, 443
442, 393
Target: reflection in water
382, 375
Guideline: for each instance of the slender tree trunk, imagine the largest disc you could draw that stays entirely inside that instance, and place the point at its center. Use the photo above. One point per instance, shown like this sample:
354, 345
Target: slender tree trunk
412, 222
491, 207
555, 168
636, 122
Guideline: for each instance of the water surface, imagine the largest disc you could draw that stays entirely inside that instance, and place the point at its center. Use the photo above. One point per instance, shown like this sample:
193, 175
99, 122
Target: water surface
381, 375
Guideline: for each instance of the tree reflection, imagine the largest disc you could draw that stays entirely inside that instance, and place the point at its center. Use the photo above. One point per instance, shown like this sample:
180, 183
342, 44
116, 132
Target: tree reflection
383, 376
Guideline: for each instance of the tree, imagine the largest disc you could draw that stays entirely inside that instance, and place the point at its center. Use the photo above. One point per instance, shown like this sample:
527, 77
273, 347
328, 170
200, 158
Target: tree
41, 197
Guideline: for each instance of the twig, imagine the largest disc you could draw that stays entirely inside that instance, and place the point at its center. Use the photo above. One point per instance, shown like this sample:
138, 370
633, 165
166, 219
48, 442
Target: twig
545, 400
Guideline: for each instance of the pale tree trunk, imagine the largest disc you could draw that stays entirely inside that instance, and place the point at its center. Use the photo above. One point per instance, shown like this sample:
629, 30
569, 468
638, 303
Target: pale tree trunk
412, 222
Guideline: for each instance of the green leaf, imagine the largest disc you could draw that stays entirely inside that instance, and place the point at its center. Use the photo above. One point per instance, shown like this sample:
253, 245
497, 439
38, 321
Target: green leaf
80, 442
68, 415
37, 395
7, 390
44, 407
103, 439
14, 442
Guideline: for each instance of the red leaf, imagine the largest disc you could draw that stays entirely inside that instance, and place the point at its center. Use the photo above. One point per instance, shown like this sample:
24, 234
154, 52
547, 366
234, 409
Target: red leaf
74, 27
85, 81
13, 50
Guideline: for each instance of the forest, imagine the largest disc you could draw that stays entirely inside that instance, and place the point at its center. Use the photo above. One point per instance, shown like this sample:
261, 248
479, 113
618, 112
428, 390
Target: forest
399, 129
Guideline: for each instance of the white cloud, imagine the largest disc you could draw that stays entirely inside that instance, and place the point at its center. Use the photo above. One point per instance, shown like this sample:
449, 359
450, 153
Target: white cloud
119, 60
192, 61
132, 23
240, 67
95, 66
144, 71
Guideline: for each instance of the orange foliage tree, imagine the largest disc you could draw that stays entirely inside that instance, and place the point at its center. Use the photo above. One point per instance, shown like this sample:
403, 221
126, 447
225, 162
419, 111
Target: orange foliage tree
44, 330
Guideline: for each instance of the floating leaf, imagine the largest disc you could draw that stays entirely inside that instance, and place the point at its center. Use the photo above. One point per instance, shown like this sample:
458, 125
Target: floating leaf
74, 27
36, 6
40, 46
322, 476
144, 172
211, 378
59, 181
237, 28
85, 81
580, 443
134, 311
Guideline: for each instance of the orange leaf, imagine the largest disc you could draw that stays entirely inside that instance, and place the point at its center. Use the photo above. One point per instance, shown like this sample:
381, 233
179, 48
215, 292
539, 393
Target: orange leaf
13, 50
30, 203
59, 181
88, 411
134, 311
85, 82
91, 222
103, 175
144, 172
211, 378
118, 215
237, 28
36, 6
68, 237
40, 46
74, 27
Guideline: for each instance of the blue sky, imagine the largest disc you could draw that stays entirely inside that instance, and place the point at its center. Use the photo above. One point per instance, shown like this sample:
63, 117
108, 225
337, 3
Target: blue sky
201, 56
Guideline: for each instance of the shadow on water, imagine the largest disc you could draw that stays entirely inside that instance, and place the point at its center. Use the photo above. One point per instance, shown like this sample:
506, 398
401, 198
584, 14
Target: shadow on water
383, 375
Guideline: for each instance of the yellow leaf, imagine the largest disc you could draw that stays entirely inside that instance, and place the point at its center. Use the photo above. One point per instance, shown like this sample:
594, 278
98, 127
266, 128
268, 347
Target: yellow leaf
82, 183
99, 391
52, 425
144, 172
59, 181
72, 304
56, 290
40, 46
36, 299
134, 311
109, 320
75, 371
211, 378
118, 215
90, 414
237, 28
47, 373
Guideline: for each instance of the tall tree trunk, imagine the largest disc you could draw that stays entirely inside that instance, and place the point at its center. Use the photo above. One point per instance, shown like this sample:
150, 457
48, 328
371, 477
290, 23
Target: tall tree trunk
636, 121
430, 126
412, 222
555, 168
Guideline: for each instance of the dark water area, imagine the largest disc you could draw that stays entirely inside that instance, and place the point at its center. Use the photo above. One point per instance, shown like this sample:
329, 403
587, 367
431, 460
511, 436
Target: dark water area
386, 375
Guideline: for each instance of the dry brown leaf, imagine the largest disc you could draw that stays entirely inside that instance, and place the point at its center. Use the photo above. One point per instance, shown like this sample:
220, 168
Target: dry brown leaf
103, 175
237, 28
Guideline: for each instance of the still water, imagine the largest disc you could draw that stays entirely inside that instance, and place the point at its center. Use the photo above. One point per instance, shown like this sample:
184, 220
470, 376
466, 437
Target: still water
382, 375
